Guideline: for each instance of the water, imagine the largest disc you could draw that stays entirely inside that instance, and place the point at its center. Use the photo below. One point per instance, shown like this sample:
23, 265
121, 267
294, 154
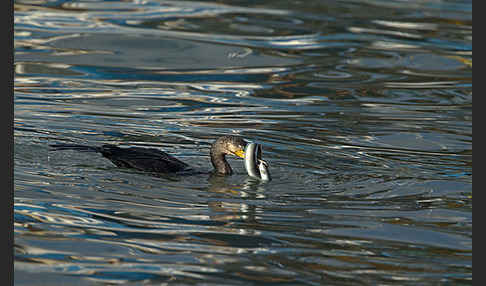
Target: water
364, 110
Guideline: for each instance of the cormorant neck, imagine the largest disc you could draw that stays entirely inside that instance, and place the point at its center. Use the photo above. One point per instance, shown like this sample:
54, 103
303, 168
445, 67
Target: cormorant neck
219, 162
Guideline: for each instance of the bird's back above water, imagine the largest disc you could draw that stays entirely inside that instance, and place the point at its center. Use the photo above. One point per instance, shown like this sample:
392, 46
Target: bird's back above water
142, 159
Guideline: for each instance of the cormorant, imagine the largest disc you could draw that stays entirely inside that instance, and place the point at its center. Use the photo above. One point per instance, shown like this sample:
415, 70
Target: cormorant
156, 161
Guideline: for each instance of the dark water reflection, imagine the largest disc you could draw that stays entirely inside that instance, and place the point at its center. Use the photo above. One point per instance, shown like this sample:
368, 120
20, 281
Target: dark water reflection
364, 109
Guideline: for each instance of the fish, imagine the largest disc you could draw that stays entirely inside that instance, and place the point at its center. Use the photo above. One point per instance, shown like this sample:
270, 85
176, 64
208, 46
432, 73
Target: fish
255, 166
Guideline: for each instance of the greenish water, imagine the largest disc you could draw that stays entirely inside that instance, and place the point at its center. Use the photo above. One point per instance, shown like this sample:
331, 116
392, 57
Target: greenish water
364, 110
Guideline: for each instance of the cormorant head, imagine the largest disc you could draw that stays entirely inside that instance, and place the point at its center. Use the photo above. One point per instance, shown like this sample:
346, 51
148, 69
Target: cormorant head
231, 145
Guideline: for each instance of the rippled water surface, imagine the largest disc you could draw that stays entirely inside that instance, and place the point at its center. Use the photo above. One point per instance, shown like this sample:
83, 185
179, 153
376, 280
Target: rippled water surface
364, 110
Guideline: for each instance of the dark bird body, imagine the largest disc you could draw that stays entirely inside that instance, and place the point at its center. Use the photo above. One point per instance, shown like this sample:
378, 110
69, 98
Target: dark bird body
156, 161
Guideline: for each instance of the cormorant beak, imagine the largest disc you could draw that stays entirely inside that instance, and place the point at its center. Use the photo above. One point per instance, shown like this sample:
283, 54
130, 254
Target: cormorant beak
240, 153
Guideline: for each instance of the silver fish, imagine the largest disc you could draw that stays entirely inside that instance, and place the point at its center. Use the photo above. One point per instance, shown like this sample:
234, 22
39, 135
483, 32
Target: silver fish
254, 165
